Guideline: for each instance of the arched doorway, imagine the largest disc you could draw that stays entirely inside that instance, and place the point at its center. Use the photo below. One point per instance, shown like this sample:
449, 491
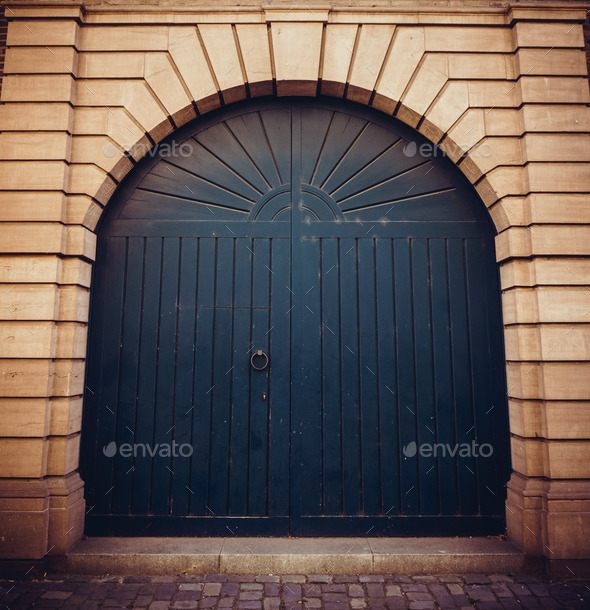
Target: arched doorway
295, 329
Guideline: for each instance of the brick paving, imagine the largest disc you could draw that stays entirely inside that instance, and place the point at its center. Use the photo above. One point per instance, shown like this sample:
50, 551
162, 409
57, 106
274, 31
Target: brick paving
269, 592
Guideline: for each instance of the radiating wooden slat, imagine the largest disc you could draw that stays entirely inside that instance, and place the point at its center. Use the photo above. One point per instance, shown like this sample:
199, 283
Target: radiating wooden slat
171, 179
411, 180
277, 133
369, 146
343, 132
222, 143
385, 167
249, 131
204, 162
442, 206
314, 131
149, 206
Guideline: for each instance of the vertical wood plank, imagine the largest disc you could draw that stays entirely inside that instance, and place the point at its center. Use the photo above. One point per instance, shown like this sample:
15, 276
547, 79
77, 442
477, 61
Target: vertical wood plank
331, 383
496, 417
461, 366
369, 405
349, 376
258, 458
240, 376
445, 469
311, 377
162, 472
184, 399
103, 370
222, 387
203, 378
280, 378
424, 375
482, 392
405, 375
128, 371
386, 364
148, 352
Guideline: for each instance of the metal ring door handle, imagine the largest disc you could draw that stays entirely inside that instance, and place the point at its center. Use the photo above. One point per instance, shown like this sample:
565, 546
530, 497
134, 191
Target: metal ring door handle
259, 354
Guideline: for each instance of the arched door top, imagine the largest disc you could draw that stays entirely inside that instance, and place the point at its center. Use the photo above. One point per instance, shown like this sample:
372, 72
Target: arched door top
356, 165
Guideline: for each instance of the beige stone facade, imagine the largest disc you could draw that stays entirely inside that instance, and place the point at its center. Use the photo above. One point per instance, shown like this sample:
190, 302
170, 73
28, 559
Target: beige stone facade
85, 84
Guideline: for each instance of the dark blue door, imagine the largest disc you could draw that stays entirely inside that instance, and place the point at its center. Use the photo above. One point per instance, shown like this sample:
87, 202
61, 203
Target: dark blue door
295, 329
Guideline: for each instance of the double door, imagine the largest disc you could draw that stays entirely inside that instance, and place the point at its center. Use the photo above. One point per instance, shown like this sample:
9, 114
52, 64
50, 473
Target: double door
298, 360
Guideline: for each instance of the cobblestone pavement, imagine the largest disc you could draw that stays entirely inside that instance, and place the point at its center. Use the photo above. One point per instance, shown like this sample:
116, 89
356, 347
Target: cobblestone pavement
250, 592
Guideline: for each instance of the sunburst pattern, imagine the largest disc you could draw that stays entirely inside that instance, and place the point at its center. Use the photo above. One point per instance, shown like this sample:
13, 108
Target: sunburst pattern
219, 172
376, 173
370, 171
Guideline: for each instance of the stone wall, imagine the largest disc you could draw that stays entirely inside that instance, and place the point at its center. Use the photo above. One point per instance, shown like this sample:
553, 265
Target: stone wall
587, 38
3, 31
506, 80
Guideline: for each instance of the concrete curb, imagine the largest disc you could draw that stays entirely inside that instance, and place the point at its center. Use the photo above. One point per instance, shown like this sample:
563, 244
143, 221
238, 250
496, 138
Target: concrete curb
412, 556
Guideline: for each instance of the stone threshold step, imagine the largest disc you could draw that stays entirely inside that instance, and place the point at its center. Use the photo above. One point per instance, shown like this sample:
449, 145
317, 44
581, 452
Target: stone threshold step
281, 556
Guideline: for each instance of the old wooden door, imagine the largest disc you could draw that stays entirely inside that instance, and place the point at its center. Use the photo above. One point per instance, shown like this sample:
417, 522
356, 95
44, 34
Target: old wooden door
295, 329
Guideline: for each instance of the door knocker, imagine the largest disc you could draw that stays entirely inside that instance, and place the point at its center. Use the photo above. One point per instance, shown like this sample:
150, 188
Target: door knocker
264, 362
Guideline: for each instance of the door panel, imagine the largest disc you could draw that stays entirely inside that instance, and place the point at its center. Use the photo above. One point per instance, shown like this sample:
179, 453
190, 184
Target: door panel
178, 378
377, 344
315, 232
